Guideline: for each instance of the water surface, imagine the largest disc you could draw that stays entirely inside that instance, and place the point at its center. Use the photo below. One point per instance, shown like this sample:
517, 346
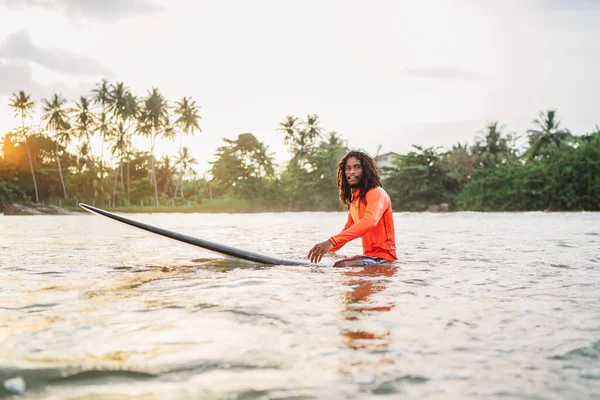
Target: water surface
494, 306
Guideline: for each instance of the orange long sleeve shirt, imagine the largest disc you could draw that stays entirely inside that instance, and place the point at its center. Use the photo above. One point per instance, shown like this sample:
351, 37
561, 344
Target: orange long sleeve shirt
373, 222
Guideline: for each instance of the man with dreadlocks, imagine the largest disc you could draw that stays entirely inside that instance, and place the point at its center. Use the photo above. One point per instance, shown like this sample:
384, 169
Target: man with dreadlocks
369, 217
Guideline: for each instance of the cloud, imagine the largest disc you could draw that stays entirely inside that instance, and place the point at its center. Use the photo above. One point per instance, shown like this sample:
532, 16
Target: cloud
28, 3
15, 76
441, 73
103, 10
571, 4
19, 46
19, 76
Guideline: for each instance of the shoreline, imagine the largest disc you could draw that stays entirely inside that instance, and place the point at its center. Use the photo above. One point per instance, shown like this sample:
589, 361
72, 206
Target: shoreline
220, 209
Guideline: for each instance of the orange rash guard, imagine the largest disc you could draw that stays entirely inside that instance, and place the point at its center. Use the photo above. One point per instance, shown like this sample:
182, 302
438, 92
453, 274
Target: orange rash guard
373, 222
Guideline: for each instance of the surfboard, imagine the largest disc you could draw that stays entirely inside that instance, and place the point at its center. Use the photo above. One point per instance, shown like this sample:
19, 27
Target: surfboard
205, 244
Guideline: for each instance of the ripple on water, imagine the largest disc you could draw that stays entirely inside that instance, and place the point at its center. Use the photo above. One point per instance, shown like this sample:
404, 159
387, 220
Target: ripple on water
396, 385
417, 282
565, 245
588, 352
32, 308
593, 373
38, 380
455, 322
562, 266
113, 376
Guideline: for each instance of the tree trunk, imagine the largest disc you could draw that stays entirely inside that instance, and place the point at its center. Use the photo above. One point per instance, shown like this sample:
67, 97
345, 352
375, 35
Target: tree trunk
176, 188
37, 197
122, 183
181, 179
101, 166
121, 169
182, 171
128, 186
60, 171
153, 174
114, 196
98, 188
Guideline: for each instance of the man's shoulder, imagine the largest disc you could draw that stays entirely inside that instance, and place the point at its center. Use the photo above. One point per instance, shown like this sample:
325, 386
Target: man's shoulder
377, 192
377, 189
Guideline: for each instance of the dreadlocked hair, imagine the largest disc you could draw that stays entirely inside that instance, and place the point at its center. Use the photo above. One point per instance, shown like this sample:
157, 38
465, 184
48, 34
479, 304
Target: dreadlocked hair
370, 178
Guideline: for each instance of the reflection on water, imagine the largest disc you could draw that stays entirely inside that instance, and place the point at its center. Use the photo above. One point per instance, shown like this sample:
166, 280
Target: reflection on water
225, 264
365, 282
479, 306
363, 330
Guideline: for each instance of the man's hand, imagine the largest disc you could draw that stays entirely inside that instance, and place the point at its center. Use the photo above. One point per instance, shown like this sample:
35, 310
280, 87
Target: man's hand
316, 253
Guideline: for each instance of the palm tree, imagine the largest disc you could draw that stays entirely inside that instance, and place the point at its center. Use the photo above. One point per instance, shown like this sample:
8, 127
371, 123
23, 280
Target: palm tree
117, 99
300, 136
168, 129
122, 142
288, 127
56, 118
164, 173
184, 161
494, 148
312, 130
124, 109
101, 96
548, 133
264, 160
84, 121
188, 121
22, 107
153, 117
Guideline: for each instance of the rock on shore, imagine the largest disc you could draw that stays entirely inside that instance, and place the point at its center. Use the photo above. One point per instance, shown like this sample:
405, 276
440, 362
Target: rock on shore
34, 209
443, 207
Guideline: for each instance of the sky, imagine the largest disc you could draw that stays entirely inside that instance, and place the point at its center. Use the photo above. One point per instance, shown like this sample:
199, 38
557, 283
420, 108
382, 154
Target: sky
383, 74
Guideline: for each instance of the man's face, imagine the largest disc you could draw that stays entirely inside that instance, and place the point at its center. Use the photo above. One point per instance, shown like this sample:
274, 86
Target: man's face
354, 172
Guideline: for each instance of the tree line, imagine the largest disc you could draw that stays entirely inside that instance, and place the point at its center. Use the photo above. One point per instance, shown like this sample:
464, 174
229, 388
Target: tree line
51, 161
113, 114
555, 171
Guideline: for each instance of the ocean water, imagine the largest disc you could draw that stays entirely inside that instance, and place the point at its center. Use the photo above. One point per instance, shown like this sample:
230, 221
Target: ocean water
479, 306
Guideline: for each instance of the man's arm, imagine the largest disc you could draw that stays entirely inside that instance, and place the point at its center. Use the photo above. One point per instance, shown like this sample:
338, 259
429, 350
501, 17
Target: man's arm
377, 203
349, 223
316, 253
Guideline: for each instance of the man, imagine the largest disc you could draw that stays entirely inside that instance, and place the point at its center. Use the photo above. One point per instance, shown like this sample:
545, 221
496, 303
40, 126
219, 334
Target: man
369, 217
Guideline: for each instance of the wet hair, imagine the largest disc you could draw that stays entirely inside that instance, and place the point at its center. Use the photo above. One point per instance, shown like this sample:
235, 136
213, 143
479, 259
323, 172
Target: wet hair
370, 177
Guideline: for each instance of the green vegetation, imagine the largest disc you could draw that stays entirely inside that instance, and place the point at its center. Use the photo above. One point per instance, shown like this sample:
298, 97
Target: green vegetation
51, 162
